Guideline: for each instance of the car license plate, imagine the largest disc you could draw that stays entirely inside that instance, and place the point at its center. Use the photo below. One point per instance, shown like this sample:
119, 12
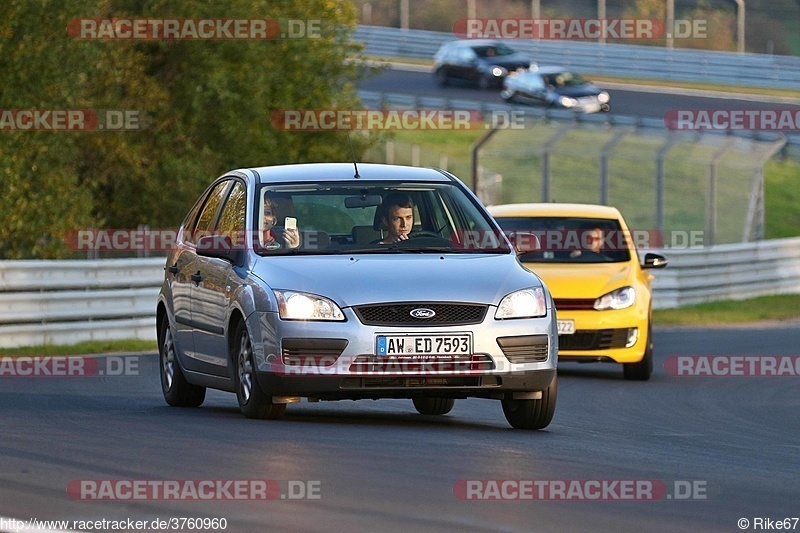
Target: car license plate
566, 327
458, 344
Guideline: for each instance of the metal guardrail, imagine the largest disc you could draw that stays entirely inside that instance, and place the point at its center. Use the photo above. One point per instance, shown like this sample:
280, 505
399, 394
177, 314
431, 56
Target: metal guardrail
623, 60
728, 272
64, 302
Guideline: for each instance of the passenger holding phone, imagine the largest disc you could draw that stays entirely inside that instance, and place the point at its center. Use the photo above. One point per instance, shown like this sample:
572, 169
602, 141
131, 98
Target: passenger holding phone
269, 237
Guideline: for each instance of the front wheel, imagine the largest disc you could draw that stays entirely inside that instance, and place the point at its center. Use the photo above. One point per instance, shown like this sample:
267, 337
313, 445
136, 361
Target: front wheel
252, 401
532, 414
434, 406
507, 95
484, 83
177, 391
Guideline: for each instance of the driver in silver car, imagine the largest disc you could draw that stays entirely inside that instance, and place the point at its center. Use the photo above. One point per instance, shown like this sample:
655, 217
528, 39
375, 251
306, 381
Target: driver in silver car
398, 217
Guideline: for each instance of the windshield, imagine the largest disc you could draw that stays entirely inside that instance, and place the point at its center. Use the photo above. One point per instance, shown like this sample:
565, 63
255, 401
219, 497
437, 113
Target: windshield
564, 79
372, 217
497, 50
572, 239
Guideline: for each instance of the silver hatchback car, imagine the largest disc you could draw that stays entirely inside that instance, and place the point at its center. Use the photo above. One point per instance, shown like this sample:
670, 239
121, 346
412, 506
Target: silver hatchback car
314, 281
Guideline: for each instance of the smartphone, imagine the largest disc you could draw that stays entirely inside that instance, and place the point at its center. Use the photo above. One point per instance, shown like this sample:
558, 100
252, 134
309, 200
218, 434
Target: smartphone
290, 223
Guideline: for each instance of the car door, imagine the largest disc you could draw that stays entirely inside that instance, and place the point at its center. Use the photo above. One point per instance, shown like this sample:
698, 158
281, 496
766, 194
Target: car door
465, 64
179, 272
189, 269
218, 281
533, 88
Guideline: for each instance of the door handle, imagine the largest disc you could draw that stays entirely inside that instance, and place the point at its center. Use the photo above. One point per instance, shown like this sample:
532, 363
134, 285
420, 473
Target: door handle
197, 278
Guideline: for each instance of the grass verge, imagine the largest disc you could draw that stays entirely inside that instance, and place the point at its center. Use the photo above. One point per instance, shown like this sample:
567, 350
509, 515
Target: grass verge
82, 348
778, 307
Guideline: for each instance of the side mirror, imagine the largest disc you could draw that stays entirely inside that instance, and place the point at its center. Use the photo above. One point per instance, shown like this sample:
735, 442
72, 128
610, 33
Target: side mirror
219, 247
654, 261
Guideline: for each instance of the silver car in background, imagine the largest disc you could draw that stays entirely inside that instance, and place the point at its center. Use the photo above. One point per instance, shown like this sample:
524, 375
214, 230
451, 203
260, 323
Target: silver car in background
557, 87
447, 312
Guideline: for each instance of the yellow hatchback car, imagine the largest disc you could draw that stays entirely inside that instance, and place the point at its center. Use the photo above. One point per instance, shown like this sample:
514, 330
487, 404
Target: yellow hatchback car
602, 294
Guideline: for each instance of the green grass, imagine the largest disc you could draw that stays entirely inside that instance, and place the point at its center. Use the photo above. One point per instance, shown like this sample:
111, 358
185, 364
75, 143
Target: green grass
780, 307
82, 348
782, 194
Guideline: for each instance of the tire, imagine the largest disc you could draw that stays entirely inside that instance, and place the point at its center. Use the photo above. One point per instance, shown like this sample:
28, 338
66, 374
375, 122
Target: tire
441, 77
252, 401
177, 391
642, 370
532, 414
434, 406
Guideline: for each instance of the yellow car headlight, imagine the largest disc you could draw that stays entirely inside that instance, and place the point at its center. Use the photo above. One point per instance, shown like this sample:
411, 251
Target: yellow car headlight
621, 298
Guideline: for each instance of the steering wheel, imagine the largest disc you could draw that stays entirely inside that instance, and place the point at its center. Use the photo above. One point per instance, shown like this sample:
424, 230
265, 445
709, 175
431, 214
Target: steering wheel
424, 233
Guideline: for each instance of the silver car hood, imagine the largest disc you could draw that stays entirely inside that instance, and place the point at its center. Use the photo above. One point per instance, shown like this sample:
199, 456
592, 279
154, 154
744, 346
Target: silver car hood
361, 279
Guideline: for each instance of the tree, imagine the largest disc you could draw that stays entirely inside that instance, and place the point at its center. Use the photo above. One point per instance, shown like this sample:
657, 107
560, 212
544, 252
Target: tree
208, 105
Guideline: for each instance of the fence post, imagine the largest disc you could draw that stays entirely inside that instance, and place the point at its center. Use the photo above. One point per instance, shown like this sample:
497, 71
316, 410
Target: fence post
662, 154
605, 151
390, 152
711, 214
546, 149
474, 155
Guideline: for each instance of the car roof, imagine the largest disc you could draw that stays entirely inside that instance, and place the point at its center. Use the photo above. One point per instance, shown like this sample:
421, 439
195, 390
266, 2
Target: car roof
476, 42
328, 172
552, 69
554, 210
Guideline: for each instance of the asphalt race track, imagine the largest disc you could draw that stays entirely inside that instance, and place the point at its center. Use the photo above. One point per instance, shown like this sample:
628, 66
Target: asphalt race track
643, 103
380, 466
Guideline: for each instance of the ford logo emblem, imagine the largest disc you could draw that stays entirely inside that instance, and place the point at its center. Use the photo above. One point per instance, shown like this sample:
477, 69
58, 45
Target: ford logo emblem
423, 313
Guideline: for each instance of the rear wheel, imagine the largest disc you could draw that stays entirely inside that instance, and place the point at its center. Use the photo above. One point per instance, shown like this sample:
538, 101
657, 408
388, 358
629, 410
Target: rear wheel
434, 406
642, 370
177, 391
252, 400
532, 414
441, 77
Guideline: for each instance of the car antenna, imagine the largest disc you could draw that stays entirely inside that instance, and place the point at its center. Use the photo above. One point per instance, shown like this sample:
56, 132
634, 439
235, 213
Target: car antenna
350, 141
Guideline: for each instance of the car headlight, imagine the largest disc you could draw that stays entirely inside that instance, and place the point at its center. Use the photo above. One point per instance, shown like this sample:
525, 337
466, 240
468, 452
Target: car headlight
603, 97
525, 303
303, 306
566, 101
499, 71
619, 299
